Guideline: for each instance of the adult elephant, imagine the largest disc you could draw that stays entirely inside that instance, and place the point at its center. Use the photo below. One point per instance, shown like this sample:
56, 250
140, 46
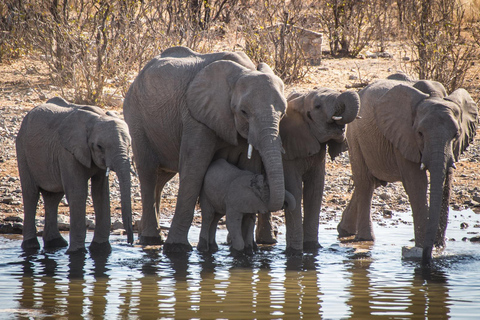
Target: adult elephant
181, 109
60, 146
313, 121
408, 127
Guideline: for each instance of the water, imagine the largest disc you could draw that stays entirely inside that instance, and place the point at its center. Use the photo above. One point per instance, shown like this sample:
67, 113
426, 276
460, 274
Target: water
360, 281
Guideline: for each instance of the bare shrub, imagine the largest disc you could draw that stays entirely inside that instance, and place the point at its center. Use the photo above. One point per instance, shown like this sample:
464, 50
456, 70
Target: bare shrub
436, 29
271, 36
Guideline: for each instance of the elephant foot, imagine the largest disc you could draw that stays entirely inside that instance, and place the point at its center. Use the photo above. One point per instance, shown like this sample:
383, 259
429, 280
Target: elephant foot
100, 247
31, 244
311, 246
363, 238
266, 239
342, 233
58, 242
75, 250
150, 241
291, 252
236, 253
249, 250
176, 247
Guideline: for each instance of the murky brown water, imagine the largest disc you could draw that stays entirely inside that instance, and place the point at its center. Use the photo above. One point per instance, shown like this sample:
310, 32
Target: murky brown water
338, 282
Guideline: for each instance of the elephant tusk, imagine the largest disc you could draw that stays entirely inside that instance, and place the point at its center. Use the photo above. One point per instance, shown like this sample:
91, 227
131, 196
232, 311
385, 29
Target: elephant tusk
107, 172
250, 149
283, 150
422, 166
454, 166
337, 118
358, 117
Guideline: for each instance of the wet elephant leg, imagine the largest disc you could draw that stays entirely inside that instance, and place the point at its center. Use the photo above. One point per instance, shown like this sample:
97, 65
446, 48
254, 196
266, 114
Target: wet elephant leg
312, 202
51, 236
30, 200
248, 227
265, 233
103, 220
208, 213
77, 198
364, 218
415, 183
197, 150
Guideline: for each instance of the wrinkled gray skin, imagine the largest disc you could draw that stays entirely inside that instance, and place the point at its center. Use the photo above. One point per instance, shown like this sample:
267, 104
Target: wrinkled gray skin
314, 120
238, 194
402, 132
60, 146
181, 109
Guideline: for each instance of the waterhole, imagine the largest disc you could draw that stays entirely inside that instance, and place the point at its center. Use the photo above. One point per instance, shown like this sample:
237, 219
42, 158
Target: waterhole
340, 281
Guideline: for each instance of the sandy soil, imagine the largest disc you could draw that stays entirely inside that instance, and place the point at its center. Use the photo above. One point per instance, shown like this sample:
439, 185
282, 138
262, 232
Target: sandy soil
25, 83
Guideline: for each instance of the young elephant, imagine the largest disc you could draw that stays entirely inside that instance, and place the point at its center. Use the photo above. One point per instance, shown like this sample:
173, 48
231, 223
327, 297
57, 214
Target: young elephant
313, 121
60, 146
238, 194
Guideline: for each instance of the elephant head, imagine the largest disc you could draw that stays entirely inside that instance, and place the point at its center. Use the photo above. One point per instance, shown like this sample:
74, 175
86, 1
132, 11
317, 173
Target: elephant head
315, 118
95, 137
234, 100
432, 131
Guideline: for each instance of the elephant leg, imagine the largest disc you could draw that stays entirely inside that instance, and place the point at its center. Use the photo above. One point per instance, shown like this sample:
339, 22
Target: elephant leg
348, 225
197, 150
265, 233
51, 236
30, 194
313, 187
234, 226
415, 184
76, 194
212, 242
293, 218
248, 229
364, 218
208, 213
103, 221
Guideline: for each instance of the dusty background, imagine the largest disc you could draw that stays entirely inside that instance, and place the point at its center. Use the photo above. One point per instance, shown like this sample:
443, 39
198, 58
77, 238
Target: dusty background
25, 84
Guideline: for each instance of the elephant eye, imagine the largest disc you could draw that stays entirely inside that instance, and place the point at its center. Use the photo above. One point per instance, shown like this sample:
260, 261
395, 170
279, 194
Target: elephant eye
318, 106
244, 113
99, 147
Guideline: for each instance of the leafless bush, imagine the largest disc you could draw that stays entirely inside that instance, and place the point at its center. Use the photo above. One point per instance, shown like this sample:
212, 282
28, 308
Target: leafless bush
436, 29
274, 39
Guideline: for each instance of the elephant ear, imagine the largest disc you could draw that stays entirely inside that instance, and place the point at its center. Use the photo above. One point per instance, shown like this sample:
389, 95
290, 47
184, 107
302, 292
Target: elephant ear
394, 116
297, 139
468, 119
209, 95
73, 134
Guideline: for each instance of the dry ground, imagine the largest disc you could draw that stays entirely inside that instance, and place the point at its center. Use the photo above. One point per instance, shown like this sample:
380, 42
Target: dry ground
25, 83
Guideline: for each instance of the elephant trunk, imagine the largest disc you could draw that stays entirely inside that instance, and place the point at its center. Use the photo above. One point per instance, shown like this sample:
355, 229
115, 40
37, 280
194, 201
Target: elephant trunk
346, 108
269, 145
290, 202
122, 169
438, 169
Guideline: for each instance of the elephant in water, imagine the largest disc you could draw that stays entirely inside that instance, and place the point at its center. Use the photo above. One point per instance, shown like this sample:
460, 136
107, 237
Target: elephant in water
406, 128
181, 109
314, 120
238, 194
60, 146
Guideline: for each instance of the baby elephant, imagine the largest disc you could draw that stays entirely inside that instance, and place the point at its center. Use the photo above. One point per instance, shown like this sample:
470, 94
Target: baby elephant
60, 146
238, 194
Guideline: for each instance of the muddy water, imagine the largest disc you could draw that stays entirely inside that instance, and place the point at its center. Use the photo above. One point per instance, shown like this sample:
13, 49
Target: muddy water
360, 281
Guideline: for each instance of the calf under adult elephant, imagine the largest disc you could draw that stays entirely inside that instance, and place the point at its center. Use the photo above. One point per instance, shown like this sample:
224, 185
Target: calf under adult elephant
181, 109
60, 146
404, 131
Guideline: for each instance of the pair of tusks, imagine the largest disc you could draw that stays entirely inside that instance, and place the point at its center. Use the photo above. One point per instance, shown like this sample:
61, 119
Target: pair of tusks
250, 150
422, 166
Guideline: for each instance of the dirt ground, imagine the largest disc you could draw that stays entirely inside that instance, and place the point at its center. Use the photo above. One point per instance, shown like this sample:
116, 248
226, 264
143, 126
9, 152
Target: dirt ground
25, 83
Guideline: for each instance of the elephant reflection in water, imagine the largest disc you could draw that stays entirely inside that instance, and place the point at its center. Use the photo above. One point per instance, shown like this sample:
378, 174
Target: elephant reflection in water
416, 295
406, 129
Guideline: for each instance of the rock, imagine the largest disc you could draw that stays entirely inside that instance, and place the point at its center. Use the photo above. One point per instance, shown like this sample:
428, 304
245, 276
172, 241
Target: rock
387, 213
463, 225
475, 239
90, 223
13, 219
117, 225
412, 252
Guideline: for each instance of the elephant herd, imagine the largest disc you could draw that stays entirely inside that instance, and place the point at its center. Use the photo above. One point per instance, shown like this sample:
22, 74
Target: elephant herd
240, 148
